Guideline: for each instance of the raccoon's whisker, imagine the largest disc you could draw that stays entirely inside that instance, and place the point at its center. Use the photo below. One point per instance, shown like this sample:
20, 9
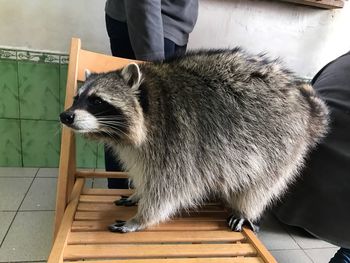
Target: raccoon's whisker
114, 123
100, 113
117, 129
58, 129
114, 126
109, 118
112, 120
122, 123
113, 136
110, 135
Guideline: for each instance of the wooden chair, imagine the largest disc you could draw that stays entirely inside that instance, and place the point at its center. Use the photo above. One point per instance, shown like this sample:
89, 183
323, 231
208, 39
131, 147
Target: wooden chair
82, 215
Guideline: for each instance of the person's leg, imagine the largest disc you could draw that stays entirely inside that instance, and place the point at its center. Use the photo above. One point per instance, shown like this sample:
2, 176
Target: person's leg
342, 256
180, 50
171, 49
112, 164
120, 47
119, 38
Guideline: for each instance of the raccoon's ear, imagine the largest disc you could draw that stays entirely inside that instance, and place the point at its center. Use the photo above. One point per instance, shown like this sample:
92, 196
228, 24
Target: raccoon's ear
132, 75
87, 73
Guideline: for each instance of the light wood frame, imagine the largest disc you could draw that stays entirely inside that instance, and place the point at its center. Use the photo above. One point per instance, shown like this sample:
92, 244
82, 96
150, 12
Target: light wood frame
325, 4
82, 215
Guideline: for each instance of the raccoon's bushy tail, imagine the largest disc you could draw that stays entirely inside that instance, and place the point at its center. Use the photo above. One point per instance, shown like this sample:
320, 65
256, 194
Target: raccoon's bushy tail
318, 110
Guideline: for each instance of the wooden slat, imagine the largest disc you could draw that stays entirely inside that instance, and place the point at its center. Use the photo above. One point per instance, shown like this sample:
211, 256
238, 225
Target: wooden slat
263, 252
92, 174
101, 207
67, 166
56, 255
78, 252
154, 237
168, 226
115, 192
122, 215
112, 207
327, 4
125, 215
96, 62
99, 198
180, 260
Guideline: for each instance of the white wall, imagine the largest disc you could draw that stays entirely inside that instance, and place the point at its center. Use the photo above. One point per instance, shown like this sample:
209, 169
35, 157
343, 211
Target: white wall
306, 38
50, 24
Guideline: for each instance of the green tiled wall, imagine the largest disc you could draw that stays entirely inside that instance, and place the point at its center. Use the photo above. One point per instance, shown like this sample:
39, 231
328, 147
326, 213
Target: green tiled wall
32, 93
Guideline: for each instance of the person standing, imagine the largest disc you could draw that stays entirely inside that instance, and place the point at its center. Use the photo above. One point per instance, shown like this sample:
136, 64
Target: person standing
319, 201
148, 30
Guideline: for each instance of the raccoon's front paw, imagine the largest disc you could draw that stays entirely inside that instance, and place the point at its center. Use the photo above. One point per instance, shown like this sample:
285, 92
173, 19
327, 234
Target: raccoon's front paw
125, 201
124, 226
236, 224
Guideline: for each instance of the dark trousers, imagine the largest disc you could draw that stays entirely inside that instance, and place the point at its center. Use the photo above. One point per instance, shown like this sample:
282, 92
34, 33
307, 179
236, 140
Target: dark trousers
121, 47
342, 256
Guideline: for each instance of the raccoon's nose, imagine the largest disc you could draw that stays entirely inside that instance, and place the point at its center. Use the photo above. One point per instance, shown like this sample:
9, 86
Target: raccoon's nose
67, 117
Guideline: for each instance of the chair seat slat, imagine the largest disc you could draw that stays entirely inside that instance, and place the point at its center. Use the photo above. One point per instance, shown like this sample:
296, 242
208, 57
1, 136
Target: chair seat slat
168, 226
115, 192
127, 214
154, 237
180, 260
73, 252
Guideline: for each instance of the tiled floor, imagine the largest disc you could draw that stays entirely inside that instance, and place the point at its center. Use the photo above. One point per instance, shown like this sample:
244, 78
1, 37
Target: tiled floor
27, 201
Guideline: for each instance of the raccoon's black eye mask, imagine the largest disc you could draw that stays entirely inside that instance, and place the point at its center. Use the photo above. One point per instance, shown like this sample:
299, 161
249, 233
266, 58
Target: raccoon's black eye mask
94, 104
96, 101
100, 107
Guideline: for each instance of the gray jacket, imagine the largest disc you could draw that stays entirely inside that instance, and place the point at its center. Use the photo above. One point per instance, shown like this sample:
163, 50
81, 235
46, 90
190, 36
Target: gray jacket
150, 21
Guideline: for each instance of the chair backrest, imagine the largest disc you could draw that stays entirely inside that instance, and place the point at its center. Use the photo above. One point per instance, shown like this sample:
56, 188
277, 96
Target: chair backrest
79, 60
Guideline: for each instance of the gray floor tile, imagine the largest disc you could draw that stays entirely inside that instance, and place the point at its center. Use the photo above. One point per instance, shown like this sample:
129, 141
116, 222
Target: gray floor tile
306, 240
274, 236
291, 256
100, 183
41, 195
5, 219
321, 255
30, 237
17, 172
12, 192
47, 172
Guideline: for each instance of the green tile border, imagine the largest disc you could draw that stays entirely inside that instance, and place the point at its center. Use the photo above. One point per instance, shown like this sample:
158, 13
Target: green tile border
33, 56
8, 54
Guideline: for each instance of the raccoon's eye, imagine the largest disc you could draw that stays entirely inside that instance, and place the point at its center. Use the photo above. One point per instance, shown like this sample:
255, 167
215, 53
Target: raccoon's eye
95, 101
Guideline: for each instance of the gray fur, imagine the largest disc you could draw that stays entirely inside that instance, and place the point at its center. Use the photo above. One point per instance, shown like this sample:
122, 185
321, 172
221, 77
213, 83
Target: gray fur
221, 123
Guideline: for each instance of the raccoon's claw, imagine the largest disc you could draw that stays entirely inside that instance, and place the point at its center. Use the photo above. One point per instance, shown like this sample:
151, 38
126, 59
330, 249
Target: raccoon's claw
118, 227
125, 202
124, 226
236, 224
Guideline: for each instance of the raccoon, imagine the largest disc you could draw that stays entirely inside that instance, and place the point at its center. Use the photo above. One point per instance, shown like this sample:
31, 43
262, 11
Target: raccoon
220, 123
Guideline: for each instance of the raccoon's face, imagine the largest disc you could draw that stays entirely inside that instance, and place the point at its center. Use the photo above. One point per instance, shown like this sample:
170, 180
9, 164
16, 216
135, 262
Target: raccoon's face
106, 107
